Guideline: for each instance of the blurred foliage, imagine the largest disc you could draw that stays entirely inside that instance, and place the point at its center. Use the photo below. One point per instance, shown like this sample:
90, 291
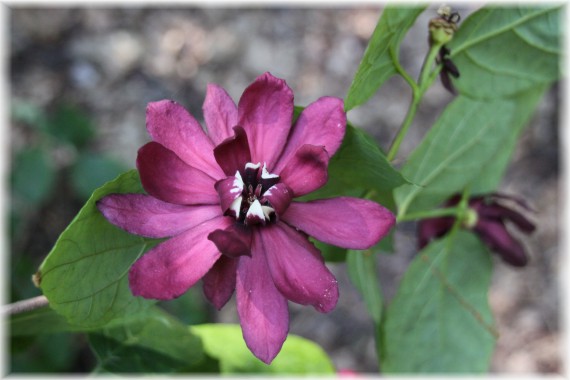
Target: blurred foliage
55, 167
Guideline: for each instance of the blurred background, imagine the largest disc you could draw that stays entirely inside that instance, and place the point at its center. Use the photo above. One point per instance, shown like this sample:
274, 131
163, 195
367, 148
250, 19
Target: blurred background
79, 82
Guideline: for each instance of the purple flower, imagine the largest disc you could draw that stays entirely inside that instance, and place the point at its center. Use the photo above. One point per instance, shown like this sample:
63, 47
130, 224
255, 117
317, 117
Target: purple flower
489, 224
225, 200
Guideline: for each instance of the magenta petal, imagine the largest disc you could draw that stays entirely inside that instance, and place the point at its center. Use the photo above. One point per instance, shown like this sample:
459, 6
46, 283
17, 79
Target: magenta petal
220, 281
279, 196
322, 123
298, 269
233, 153
167, 177
345, 222
496, 236
234, 241
265, 110
262, 310
172, 267
220, 113
171, 125
229, 190
144, 215
306, 171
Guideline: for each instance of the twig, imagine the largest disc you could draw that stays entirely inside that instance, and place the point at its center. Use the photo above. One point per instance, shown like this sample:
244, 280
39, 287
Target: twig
25, 305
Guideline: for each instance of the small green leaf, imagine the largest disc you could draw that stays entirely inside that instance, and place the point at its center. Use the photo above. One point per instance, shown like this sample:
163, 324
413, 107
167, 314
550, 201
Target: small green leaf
501, 51
33, 176
72, 125
331, 253
380, 60
298, 355
91, 171
440, 320
150, 342
469, 137
84, 276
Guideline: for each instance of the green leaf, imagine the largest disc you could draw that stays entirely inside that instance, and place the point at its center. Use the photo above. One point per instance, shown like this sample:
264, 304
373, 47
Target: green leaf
440, 321
91, 171
469, 136
33, 176
501, 51
84, 276
361, 268
380, 60
150, 342
331, 253
72, 125
358, 165
39, 321
298, 355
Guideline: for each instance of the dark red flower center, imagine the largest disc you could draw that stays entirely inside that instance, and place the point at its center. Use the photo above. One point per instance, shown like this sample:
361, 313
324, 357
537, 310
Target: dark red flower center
253, 206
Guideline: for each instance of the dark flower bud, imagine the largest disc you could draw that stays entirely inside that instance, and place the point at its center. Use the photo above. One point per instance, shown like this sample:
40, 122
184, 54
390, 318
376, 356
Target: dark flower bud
486, 217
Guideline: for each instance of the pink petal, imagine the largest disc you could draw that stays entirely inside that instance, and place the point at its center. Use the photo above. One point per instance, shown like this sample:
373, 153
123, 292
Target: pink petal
229, 189
279, 196
167, 177
172, 267
171, 125
306, 171
265, 111
233, 153
234, 241
220, 113
262, 310
144, 215
345, 222
220, 281
497, 237
322, 123
298, 269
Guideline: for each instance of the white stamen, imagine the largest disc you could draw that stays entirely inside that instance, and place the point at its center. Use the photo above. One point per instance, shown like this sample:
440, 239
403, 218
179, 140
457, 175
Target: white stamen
236, 206
250, 165
267, 211
265, 174
238, 184
256, 210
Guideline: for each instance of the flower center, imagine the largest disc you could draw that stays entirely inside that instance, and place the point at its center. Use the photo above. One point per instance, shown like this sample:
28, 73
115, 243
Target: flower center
253, 206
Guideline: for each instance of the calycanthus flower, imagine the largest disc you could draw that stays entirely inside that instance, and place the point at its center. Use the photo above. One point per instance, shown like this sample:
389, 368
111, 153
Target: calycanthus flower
225, 200
488, 223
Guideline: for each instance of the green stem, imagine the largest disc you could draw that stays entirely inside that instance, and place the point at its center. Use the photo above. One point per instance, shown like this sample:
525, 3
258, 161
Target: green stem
424, 82
452, 211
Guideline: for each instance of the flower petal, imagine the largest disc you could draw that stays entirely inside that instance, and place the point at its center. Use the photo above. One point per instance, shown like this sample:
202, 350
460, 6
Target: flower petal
145, 215
172, 267
220, 281
265, 110
430, 229
234, 241
345, 222
279, 196
298, 269
230, 192
322, 123
220, 113
167, 177
306, 171
497, 211
497, 237
262, 310
233, 153
171, 125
